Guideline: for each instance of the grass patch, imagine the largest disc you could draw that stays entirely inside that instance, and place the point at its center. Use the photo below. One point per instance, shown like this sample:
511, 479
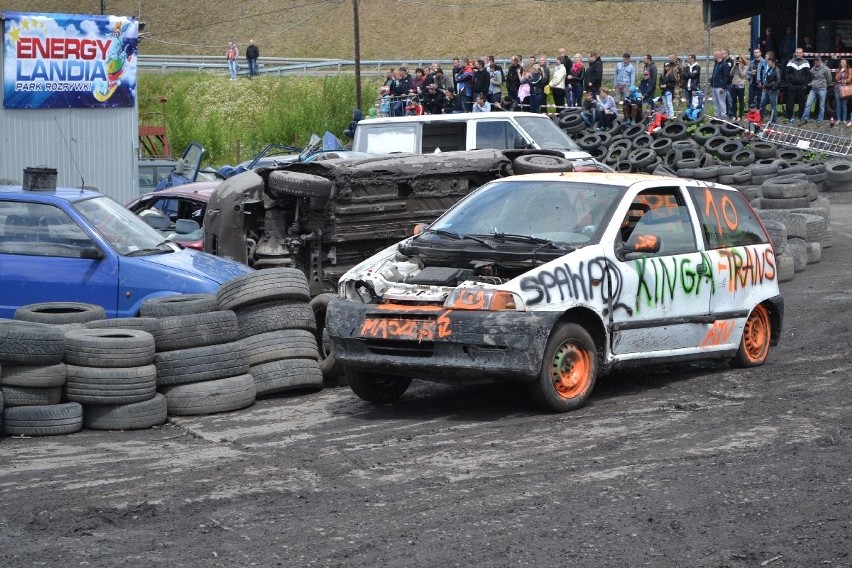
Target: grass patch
234, 120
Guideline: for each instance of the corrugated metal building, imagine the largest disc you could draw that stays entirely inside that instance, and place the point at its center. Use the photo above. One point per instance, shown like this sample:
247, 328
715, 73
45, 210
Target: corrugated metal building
96, 147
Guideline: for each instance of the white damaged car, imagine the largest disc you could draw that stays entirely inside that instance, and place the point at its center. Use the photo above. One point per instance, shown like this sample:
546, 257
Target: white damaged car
553, 279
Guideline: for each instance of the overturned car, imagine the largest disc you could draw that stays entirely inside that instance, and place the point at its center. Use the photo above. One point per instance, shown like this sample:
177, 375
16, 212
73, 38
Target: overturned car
327, 216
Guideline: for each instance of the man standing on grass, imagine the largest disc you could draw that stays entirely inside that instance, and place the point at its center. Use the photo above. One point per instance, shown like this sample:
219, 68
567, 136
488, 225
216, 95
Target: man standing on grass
625, 77
594, 74
820, 78
252, 53
231, 56
719, 85
756, 72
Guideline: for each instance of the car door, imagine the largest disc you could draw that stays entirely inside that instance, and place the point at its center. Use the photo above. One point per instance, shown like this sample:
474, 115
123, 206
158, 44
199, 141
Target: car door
742, 259
665, 293
41, 260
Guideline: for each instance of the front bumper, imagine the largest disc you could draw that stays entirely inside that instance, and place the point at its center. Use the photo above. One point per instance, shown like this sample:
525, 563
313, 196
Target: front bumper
439, 344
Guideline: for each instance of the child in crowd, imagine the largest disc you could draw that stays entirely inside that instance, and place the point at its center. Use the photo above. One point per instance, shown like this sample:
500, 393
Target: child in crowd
633, 106
754, 121
659, 116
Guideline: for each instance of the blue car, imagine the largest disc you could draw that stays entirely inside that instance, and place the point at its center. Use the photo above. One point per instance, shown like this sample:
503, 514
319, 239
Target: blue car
79, 245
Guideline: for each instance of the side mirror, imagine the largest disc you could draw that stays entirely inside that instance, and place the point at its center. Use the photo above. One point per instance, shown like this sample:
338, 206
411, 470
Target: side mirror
92, 253
520, 143
646, 244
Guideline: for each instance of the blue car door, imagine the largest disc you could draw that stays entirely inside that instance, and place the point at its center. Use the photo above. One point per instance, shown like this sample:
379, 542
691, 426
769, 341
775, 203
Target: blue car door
46, 256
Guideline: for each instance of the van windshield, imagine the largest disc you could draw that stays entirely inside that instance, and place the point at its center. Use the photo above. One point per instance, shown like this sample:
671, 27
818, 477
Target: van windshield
546, 134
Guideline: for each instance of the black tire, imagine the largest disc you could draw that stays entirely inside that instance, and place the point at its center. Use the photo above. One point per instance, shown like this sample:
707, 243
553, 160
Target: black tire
716, 142
788, 154
727, 150
145, 324
541, 163
568, 369
687, 144
704, 133
838, 171
328, 363
706, 173
621, 142
778, 234
285, 375
623, 166
135, 416
730, 170
785, 188
570, 120
742, 178
673, 157
38, 376
374, 387
280, 344
743, 158
210, 397
633, 131
102, 385
25, 343
31, 396
785, 266
197, 364
688, 163
283, 182
763, 169
727, 180
617, 154
272, 316
589, 141
263, 286
661, 170
643, 141
641, 158
763, 149
729, 130
706, 160
109, 347
196, 330
674, 130
790, 203
60, 312
661, 146
177, 305
47, 420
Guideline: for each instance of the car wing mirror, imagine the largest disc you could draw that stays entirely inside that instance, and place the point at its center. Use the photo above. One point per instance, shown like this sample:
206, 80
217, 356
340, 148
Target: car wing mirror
646, 244
92, 253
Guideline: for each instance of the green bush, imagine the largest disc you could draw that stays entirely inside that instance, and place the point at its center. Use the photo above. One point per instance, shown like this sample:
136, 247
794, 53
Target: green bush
234, 120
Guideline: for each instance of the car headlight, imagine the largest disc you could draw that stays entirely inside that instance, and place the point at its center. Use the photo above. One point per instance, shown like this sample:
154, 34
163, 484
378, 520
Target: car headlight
483, 299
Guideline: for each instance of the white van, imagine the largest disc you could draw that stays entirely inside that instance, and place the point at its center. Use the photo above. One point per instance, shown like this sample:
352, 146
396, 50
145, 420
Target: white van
464, 131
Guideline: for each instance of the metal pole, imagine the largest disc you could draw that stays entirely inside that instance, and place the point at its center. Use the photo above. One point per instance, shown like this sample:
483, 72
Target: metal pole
707, 61
797, 24
357, 55
103, 7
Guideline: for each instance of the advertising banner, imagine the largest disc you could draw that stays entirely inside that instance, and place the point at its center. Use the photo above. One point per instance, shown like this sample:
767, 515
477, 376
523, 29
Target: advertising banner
69, 61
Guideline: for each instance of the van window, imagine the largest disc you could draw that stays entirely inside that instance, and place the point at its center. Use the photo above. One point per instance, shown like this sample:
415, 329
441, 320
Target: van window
391, 138
546, 134
446, 136
496, 135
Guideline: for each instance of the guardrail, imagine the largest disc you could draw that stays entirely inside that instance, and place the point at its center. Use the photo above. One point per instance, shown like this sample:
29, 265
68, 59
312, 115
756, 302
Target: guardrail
308, 66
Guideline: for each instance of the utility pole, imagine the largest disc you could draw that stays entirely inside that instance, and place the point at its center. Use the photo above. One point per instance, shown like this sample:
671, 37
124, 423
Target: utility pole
357, 55
103, 7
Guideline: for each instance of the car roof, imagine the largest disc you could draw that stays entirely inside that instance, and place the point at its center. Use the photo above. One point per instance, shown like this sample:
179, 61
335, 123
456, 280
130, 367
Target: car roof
156, 162
606, 178
198, 189
71, 194
460, 116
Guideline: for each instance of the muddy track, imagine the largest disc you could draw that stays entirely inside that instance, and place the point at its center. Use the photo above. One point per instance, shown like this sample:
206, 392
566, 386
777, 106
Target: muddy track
698, 465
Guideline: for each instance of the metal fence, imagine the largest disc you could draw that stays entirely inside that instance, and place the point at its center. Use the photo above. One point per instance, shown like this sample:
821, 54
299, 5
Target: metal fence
280, 66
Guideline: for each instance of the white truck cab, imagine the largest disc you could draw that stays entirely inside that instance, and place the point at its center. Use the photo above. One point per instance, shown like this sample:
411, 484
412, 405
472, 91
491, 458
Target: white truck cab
464, 131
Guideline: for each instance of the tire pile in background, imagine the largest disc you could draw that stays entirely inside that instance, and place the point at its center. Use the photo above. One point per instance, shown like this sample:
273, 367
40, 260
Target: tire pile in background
783, 185
68, 367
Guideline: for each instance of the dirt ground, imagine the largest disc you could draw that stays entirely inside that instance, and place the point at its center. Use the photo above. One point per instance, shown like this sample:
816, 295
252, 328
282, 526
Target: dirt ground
699, 466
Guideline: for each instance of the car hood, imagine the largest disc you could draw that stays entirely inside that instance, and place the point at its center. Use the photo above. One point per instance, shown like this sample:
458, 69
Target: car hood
201, 264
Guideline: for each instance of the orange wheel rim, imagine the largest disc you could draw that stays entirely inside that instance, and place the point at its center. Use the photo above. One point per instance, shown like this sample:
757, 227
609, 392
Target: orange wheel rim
756, 335
571, 370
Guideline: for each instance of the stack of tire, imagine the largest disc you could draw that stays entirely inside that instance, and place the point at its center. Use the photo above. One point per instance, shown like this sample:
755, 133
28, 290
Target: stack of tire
111, 373
32, 376
201, 367
277, 328
781, 183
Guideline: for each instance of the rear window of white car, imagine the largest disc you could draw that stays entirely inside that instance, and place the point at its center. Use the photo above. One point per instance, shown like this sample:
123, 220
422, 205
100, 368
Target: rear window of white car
726, 219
